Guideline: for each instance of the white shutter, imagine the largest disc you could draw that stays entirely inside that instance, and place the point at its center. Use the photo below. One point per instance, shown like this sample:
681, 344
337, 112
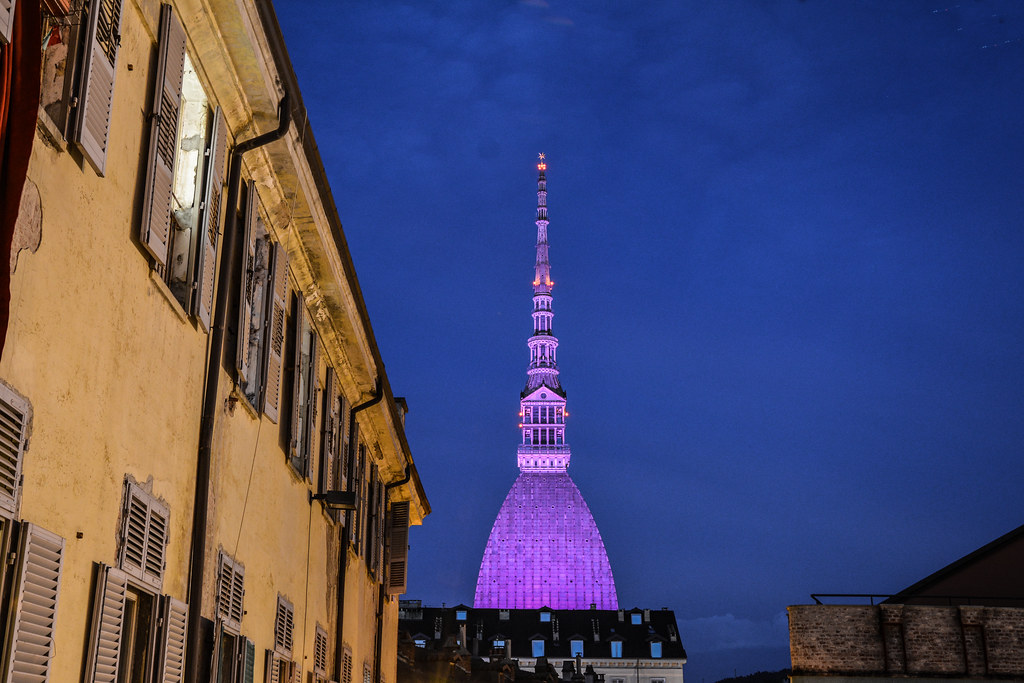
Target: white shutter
6, 20
96, 93
274, 333
107, 620
398, 551
174, 624
37, 588
209, 221
13, 429
155, 229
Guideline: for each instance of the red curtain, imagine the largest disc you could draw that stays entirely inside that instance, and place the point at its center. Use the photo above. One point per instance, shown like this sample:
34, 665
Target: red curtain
20, 63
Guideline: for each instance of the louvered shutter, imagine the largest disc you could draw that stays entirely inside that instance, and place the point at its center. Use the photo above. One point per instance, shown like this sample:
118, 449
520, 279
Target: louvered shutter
247, 294
96, 92
13, 431
163, 137
143, 536
107, 620
320, 651
174, 626
231, 594
398, 549
6, 20
346, 667
284, 624
37, 588
299, 369
274, 333
209, 221
311, 382
272, 669
329, 435
248, 661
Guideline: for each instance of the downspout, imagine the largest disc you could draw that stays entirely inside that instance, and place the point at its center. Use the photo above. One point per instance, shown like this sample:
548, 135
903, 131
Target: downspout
228, 265
353, 452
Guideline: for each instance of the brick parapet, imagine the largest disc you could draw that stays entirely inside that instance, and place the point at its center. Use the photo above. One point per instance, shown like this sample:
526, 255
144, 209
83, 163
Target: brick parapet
907, 640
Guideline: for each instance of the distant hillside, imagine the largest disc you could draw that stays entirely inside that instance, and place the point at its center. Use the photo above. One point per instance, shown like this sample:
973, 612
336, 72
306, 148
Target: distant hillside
780, 676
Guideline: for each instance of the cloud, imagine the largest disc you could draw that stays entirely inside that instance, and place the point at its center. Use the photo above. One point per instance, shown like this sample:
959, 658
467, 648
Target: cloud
727, 632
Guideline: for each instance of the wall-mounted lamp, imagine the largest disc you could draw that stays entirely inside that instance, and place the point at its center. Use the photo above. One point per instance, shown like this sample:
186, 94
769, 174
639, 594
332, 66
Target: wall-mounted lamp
335, 500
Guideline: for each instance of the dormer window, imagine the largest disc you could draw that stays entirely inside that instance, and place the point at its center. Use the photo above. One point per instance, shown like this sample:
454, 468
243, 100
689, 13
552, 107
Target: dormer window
545, 616
617, 649
460, 615
575, 648
634, 617
655, 649
420, 642
538, 647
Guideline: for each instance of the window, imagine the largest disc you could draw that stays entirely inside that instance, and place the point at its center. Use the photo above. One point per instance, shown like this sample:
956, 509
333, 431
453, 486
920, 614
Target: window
398, 549
305, 362
538, 648
575, 648
230, 593
498, 644
126, 621
236, 659
420, 642
184, 176
346, 666
460, 615
634, 617
330, 433
655, 649
143, 542
263, 290
284, 624
616, 649
320, 652
545, 616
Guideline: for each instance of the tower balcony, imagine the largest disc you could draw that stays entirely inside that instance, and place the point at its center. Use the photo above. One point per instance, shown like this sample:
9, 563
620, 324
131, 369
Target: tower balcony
543, 458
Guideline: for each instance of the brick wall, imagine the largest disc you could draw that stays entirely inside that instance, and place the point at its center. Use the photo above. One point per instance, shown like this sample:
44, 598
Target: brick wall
907, 640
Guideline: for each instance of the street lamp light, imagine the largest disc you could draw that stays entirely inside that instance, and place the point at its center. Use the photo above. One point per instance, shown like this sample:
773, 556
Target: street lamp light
335, 500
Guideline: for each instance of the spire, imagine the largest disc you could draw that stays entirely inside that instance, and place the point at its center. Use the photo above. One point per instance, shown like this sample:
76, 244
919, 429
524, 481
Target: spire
542, 403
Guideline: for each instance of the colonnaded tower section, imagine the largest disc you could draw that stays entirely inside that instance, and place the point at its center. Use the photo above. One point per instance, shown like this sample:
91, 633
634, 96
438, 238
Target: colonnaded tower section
544, 549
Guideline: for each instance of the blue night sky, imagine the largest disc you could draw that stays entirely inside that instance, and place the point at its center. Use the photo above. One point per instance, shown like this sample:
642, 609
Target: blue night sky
788, 245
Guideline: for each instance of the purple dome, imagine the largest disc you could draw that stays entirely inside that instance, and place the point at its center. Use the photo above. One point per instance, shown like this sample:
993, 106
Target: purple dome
545, 550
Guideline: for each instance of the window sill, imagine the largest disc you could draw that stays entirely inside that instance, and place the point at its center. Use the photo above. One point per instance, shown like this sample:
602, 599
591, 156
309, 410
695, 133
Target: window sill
50, 133
161, 286
239, 398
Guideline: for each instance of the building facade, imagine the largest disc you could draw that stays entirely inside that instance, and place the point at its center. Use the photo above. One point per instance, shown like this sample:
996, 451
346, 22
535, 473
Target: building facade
544, 549
620, 646
204, 473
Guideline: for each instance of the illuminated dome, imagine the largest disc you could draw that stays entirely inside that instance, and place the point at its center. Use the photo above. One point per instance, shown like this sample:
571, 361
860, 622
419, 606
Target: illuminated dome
545, 550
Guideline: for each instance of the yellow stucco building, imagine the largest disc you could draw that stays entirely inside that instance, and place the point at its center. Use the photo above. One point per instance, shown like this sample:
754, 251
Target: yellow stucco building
204, 473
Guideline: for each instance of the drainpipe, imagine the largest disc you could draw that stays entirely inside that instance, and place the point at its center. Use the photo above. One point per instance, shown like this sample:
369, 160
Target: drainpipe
228, 266
353, 452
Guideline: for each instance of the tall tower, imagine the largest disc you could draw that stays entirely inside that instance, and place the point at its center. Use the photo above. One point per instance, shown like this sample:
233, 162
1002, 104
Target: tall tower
544, 549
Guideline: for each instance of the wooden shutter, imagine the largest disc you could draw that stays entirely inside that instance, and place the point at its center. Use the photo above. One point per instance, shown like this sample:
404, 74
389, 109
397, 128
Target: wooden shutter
248, 661
300, 372
143, 536
274, 333
284, 624
271, 668
96, 91
6, 20
398, 549
346, 667
311, 384
13, 431
36, 591
251, 281
209, 221
320, 651
174, 626
329, 434
231, 593
107, 619
155, 230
